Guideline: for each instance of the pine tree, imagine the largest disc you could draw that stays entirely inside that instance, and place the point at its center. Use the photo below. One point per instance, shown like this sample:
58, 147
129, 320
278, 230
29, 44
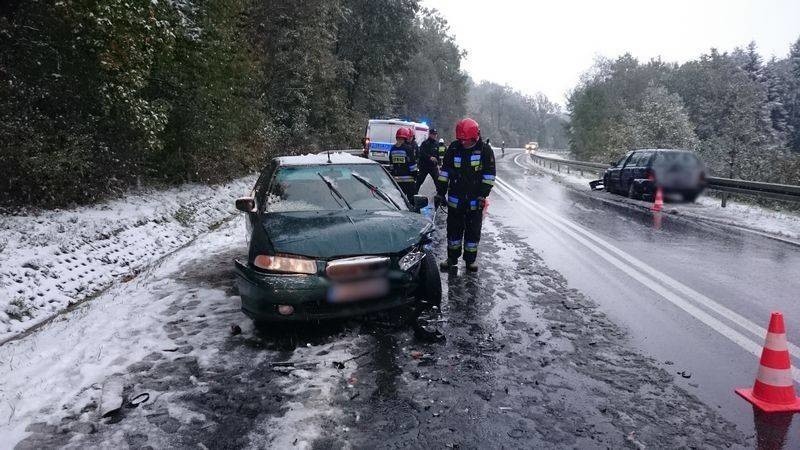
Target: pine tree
660, 121
777, 79
792, 104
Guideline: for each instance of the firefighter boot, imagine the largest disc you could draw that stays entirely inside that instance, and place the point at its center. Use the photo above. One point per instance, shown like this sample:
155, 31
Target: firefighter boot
447, 264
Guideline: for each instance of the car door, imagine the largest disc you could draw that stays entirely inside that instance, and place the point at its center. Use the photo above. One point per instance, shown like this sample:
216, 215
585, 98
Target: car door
613, 173
634, 168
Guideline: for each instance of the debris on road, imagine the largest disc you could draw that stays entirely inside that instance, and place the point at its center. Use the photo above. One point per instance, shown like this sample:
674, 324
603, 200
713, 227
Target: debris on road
111, 399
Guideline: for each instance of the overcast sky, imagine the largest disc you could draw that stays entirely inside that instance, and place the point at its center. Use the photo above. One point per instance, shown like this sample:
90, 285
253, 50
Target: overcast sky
545, 45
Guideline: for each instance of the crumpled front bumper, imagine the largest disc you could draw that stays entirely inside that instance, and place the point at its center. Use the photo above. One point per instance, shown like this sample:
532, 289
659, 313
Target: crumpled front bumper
261, 294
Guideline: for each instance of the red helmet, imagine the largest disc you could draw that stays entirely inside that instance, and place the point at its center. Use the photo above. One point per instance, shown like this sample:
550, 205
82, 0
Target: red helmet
404, 133
467, 129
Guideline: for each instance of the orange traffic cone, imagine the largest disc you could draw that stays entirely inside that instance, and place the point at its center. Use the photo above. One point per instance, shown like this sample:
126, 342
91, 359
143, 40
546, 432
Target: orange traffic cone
773, 390
659, 203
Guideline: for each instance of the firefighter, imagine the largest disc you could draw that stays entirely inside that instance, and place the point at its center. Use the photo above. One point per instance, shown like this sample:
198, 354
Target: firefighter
428, 159
404, 162
442, 149
465, 180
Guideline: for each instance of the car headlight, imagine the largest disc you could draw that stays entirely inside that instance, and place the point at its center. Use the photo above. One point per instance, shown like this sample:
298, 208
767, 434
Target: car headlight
285, 264
411, 259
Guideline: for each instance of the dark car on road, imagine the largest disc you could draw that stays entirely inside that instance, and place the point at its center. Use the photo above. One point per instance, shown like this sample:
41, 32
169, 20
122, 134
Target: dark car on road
333, 236
640, 172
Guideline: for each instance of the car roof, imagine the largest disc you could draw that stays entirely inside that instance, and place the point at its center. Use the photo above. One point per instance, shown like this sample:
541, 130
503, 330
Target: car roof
676, 150
319, 159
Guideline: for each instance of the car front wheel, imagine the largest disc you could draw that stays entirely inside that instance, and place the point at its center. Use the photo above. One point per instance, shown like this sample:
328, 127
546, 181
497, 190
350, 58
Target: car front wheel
429, 290
607, 184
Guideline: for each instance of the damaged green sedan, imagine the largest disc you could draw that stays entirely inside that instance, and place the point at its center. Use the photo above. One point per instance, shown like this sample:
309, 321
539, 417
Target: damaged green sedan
332, 236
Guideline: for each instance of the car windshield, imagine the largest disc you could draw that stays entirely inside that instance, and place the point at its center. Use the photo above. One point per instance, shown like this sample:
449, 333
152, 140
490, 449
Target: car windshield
332, 187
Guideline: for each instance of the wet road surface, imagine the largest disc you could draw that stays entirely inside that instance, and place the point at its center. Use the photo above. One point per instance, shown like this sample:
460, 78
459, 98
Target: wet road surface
736, 277
545, 347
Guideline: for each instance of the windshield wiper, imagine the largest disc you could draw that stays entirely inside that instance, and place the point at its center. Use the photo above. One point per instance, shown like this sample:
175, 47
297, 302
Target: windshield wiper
375, 189
334, 190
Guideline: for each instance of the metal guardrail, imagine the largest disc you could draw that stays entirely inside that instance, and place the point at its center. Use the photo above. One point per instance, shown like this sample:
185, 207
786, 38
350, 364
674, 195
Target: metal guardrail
785, 192
774, 191
580, 166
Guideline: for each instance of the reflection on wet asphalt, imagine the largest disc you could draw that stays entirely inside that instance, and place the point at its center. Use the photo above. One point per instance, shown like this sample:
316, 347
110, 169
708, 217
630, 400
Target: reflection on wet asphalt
527, 362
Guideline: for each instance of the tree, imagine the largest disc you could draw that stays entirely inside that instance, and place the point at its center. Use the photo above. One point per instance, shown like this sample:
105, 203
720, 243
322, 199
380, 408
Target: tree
792, 100
659, 121
434, 88
508, 115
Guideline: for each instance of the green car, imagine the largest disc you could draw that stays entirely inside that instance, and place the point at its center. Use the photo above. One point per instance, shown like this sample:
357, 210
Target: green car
332, 236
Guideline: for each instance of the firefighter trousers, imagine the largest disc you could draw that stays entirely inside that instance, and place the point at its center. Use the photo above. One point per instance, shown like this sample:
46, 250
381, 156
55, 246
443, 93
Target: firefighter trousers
463, 233
409, 188
433, 171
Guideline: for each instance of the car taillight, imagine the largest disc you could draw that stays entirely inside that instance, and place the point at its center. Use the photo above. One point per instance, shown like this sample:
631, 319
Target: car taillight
285, 264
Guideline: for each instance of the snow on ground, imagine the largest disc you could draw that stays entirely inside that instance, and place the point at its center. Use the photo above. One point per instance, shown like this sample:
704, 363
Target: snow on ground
62, 367
742, 215
52, 259
168, 333
313, 392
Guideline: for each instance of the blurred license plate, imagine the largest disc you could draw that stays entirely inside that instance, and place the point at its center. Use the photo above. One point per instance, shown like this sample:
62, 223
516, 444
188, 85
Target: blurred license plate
358, 290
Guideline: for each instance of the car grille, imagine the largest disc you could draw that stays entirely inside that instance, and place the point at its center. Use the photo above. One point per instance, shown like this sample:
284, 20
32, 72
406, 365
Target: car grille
348, 269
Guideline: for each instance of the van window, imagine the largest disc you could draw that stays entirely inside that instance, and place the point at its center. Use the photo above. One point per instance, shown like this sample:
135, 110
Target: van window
382, 132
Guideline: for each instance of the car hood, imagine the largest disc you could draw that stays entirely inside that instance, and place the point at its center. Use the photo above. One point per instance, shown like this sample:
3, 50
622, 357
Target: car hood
329, 234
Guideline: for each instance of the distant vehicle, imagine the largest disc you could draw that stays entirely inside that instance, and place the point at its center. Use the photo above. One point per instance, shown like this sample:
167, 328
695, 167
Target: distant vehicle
333, 239
380, 136
640, 172
531, 147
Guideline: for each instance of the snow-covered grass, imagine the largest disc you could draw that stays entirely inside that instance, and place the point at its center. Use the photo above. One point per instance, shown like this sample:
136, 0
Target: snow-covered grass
52, 259
752, 217
62, 367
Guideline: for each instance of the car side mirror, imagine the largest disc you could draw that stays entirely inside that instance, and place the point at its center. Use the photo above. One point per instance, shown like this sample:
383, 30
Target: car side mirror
246, 204
420, 201
612, 164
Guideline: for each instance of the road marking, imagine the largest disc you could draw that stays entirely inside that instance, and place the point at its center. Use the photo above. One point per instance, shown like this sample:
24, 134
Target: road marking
699, 298
509, 193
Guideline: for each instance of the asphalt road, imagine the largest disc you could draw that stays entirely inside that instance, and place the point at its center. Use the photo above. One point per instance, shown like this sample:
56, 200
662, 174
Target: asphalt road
690, 293
556, 342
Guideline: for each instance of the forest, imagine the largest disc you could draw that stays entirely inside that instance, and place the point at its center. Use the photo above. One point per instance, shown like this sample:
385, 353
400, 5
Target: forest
738, 111
101, 96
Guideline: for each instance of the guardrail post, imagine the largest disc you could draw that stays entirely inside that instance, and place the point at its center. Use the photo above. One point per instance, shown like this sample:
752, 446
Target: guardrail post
724, 199
558, 167
568, 169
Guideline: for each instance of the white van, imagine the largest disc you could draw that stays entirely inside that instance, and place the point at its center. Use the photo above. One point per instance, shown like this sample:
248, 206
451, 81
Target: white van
380, 136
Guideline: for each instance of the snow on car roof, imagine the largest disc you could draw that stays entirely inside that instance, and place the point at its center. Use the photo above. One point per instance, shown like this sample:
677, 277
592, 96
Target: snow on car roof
322, 158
